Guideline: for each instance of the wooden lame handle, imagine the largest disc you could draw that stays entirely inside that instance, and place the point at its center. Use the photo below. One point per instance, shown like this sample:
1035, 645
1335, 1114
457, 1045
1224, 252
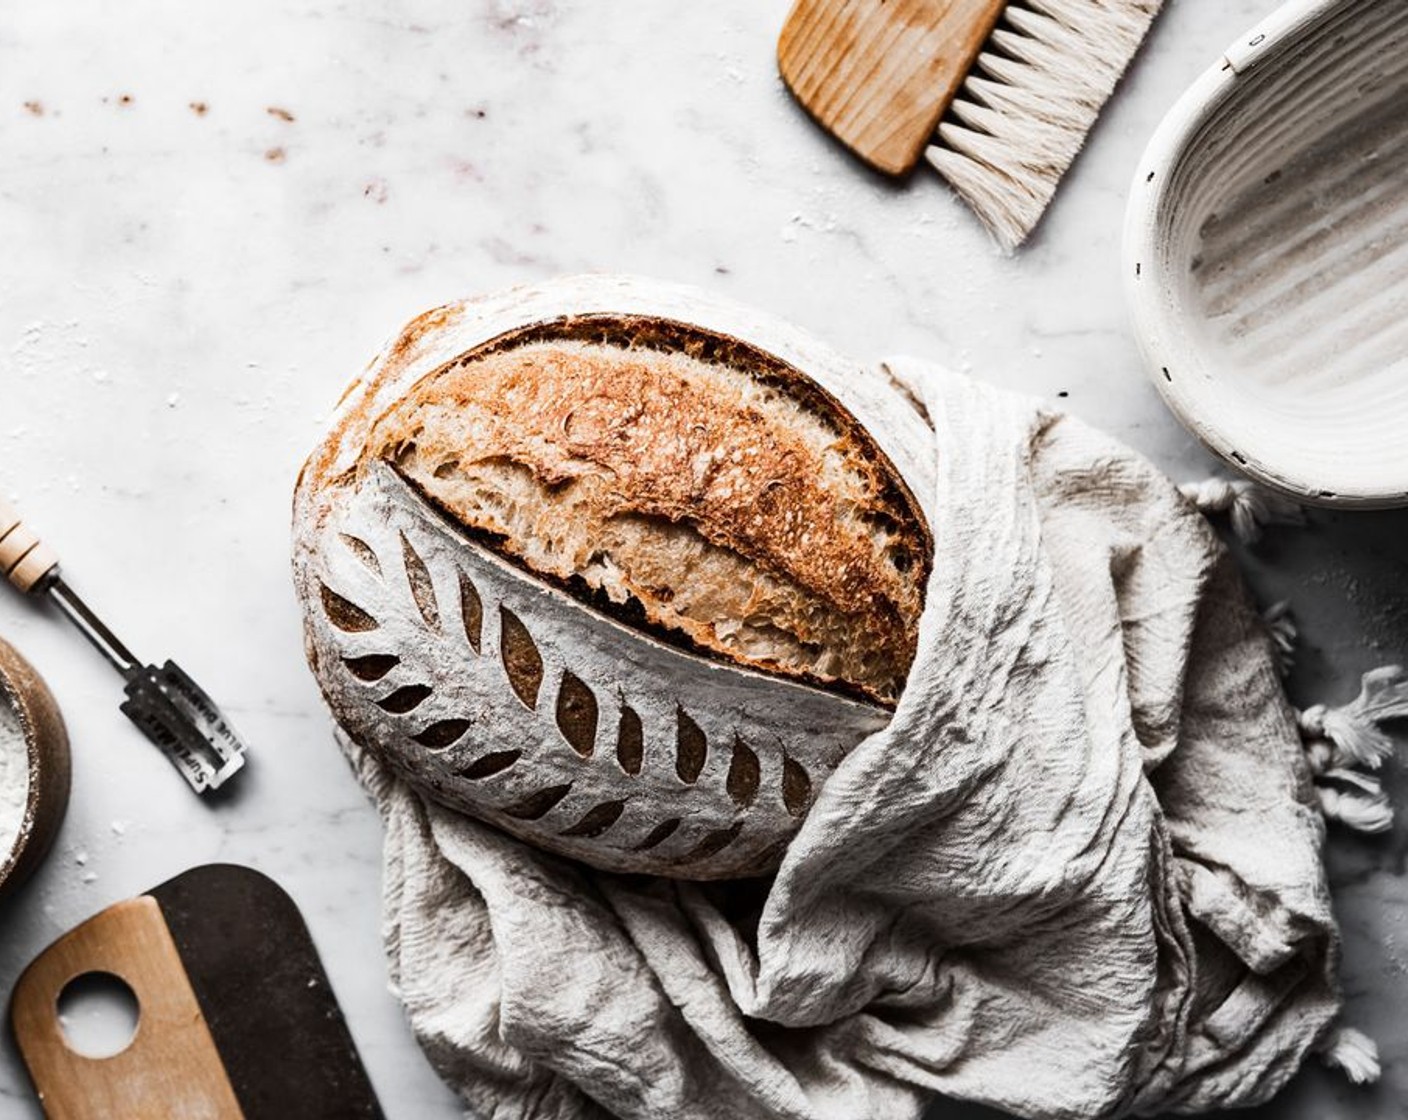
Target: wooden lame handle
171, 1070
24, 558
878, 74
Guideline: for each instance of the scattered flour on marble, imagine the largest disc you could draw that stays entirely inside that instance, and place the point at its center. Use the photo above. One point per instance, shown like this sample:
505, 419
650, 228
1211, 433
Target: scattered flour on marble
14, 777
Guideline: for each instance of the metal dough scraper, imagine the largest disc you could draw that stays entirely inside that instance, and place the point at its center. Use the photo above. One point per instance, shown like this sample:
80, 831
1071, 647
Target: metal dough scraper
170, 709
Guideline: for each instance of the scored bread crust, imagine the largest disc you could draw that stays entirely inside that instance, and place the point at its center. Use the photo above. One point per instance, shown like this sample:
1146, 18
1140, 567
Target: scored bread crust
617, 750
705, 487
441, 335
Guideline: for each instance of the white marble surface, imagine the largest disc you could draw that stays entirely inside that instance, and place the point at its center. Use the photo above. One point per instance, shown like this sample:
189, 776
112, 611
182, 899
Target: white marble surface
183, 295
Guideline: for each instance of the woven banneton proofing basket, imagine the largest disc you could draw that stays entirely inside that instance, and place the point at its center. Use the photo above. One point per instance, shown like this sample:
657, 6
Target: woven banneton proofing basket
1264, 254
499, 694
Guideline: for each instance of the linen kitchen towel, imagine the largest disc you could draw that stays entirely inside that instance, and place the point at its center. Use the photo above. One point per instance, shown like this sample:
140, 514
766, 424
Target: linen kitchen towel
1078, 875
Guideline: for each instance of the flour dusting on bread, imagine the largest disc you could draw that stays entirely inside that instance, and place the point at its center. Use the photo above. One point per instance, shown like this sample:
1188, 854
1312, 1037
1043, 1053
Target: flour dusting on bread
616, 567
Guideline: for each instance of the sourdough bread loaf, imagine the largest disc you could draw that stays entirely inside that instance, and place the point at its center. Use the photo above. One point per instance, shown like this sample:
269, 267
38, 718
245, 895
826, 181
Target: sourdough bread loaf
615, 567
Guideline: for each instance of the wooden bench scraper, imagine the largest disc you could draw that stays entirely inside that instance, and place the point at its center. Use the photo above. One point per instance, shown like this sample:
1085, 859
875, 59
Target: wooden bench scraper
236, 1018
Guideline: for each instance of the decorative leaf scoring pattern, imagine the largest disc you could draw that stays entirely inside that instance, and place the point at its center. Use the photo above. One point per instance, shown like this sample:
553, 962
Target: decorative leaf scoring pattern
489, 765
404, 700
691, 747
362, 551
372, 667
712, 844
796, 786
743, 774
472, 612
422, 586
596, 820
630, 741
577, 714
658, 835
522, 661
538, 805
443, 734
345, 614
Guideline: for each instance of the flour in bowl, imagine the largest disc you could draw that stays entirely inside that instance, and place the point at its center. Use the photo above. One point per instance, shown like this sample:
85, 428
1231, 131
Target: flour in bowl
14, 776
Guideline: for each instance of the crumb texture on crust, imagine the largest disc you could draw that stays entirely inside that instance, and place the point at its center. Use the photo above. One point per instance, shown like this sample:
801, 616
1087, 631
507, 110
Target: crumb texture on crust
708, 500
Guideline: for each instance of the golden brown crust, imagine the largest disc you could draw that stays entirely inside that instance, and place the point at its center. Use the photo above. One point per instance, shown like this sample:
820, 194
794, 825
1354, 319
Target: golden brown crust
671, 444
695, 770
319, 469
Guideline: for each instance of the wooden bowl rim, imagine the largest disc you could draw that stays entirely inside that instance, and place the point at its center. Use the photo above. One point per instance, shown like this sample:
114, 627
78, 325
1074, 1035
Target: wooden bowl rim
24, 691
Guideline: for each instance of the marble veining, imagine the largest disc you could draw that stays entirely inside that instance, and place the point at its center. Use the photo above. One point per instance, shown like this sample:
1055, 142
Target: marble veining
213, 215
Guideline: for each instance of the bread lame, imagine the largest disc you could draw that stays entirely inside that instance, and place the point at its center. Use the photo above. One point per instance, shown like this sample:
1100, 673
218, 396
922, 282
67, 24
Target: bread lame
167, 706
236, 1017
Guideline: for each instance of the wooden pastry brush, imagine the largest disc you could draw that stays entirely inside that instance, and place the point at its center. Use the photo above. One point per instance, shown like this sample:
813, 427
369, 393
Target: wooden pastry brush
998, 96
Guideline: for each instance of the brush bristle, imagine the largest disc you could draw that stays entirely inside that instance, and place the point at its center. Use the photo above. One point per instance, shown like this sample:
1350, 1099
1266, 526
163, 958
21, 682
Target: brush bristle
1033, 94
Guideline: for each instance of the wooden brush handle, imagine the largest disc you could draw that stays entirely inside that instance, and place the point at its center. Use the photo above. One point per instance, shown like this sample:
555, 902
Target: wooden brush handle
878, 74
24, 558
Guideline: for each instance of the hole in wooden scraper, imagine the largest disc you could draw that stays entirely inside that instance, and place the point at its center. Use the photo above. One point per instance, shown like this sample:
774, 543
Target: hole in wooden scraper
98, 1014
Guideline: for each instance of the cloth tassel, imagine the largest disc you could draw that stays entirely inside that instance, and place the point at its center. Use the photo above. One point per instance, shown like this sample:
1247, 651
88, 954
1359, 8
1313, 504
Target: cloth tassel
1284, 633
1250, 507
1354, 729
1352, 1052
1356, 809
1339, 740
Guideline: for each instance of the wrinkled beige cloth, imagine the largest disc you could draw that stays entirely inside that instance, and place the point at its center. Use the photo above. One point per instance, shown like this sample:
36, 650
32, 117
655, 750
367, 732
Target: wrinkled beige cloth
1078, 875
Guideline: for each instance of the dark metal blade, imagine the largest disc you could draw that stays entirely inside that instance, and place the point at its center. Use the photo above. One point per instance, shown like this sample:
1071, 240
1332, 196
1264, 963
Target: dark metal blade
176, 714
265, 996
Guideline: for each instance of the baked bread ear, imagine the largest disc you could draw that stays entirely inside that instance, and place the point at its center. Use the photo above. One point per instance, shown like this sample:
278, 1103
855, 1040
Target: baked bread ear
593, 564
